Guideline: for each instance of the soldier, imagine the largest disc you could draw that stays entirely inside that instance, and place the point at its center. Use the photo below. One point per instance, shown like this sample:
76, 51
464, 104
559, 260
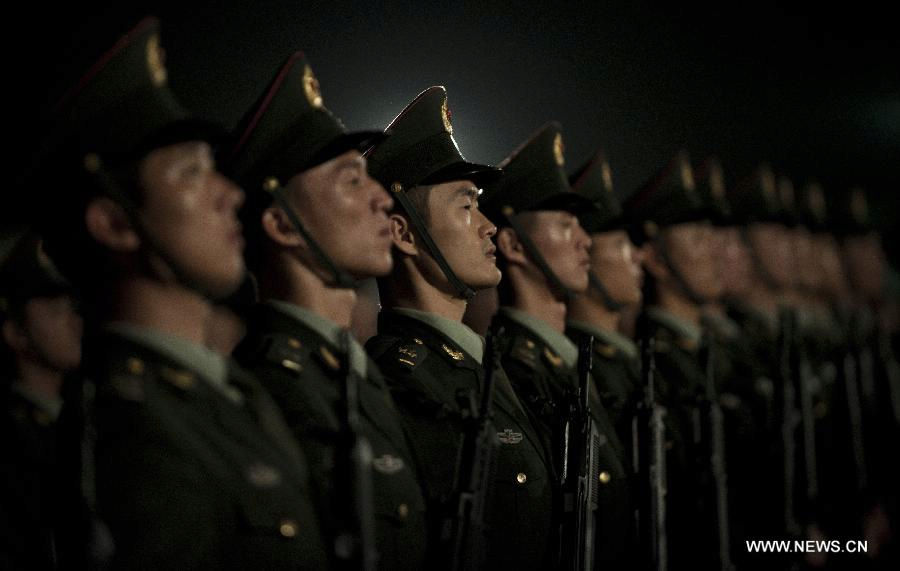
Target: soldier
186, 460
41, 346
742, 378
316, 223
615, 282
443, 250
544, 257
673, 224
875, 363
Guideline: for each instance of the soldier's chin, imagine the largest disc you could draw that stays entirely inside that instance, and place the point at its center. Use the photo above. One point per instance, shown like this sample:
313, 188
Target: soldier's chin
219, 288
486, 280
375, 267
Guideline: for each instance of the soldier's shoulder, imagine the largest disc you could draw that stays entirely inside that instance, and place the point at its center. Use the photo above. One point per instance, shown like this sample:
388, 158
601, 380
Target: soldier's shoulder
397, 353
129, 376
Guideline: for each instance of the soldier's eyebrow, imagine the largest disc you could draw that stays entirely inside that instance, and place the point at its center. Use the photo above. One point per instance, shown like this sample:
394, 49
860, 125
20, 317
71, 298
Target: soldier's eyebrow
351, 163
469, 191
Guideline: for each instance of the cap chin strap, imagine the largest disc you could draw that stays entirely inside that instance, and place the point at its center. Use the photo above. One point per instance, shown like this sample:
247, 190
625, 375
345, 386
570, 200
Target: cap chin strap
608, 301
555, 284
680, 281
94, 166
340, 278
418, 223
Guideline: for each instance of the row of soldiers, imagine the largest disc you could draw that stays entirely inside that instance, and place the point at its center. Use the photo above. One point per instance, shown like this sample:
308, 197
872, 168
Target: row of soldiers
555, 380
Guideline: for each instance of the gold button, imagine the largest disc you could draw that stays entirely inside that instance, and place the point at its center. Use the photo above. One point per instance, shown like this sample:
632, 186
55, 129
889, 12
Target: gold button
402, 511
529, 343
288, 528
521, 477
417, 341
605, 477
293, 343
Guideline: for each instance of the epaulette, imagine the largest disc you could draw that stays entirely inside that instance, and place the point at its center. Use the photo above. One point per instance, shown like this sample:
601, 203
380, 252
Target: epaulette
406, 353
605, 350
128, 377
552, 358
284, 351
525, 351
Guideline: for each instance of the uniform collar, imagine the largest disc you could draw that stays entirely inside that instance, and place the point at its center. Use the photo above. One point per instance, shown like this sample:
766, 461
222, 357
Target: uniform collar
327, 329
469, 341
208, 364
51, 405
681, 327
559, 343
614, 338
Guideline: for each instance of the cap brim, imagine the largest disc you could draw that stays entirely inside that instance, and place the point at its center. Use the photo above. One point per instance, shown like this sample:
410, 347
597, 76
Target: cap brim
358, 141
571, 202
481, 175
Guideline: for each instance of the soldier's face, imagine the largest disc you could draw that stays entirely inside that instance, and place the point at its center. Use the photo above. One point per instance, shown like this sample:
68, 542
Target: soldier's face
691, 251
808, 275
190, 210
617, 263
53, 330
463, 234
564, 244
733, 255
346, 211
773, 247
828, 258
865, 264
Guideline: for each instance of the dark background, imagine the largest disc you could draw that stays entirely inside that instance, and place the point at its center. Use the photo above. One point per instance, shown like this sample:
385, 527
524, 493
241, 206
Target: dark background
815, 91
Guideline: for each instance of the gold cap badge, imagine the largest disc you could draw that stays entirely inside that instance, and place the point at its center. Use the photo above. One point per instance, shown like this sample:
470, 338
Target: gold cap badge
311, 87
445, 116
558, 149
156, 61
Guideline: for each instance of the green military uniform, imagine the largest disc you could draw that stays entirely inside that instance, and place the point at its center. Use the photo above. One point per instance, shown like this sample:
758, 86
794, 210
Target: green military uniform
297, 354
188, 463
542, 362
28, 440
428, 359
212, 479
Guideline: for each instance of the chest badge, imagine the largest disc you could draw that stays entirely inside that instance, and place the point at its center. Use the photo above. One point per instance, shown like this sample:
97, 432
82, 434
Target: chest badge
509, 437
387, 464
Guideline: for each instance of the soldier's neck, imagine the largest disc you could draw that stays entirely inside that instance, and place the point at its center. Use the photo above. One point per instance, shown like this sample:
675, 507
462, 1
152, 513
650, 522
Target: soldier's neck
168, 308
594, 312
678, 305
304, 288
410, 289
538, 301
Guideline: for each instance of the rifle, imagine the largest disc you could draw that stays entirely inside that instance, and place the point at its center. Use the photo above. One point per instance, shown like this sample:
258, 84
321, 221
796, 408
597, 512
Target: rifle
580, 471
715, 443
463, 527
354, 543
649, 453
788, 414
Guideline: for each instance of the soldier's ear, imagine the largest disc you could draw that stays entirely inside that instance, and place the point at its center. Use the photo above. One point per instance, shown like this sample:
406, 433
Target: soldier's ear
510, 246
653, 262
108, 224
14, 337
279, 228
402, 236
